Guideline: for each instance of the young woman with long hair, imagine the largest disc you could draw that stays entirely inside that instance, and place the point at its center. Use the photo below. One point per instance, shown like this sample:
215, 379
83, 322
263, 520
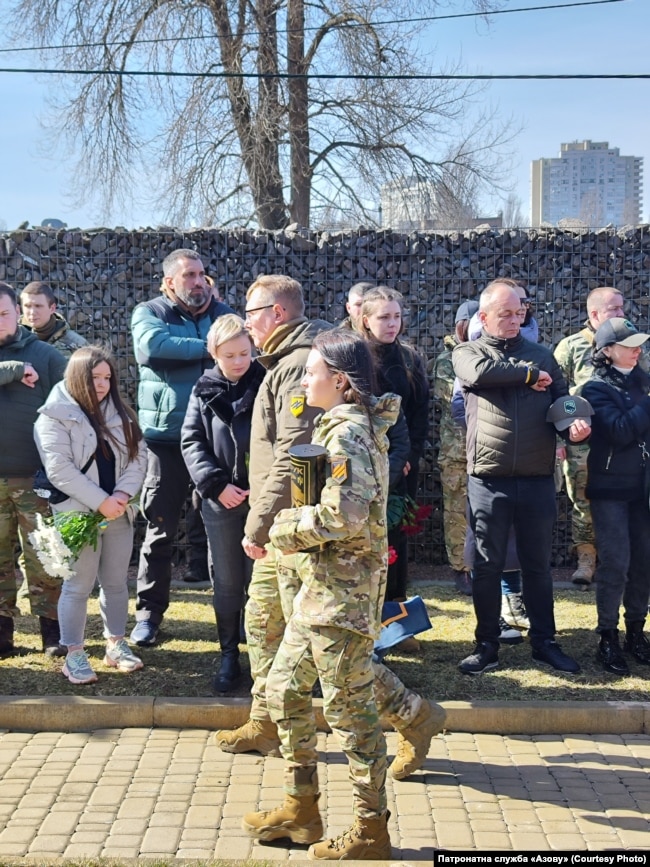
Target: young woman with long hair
400, 370
337, 612
85, 419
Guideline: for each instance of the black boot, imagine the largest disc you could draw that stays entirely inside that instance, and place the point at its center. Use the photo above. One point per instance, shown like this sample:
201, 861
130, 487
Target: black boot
229, 676
6, 637
609, 653
636, 642
51, 637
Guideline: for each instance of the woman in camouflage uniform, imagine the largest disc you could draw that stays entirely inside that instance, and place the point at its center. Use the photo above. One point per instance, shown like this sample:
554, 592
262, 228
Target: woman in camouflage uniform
336, 615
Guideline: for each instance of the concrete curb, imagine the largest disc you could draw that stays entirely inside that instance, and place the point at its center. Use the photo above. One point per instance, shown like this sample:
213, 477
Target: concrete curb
80, 713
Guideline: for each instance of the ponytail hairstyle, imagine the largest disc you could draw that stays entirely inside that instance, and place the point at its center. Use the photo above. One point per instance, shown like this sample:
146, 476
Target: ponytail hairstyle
348, 353
80, 386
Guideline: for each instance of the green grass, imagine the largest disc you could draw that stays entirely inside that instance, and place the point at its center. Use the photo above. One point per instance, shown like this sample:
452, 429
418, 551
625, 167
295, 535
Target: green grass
183, 663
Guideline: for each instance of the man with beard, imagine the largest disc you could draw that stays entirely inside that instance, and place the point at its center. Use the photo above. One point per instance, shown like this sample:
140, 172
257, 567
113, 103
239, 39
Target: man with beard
169, 341
29, 369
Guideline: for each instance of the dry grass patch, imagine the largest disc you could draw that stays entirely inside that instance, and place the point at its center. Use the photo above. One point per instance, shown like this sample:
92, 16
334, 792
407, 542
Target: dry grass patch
183, 663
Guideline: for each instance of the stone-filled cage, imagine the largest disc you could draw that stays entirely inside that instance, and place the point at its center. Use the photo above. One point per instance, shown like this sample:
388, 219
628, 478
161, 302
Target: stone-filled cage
99, 275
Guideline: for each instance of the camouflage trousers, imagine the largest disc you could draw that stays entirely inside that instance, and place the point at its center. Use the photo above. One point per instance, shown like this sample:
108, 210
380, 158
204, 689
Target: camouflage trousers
274, 585
18, 507
575, 474
273, 588
453, 478
342, 661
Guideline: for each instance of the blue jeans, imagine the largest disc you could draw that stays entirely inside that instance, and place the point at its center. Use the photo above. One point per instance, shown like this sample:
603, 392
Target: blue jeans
528, 504
233, 569
623, 575
163, 496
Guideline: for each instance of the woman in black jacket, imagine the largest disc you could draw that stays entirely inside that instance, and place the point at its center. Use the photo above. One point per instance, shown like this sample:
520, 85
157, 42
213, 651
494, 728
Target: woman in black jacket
215, 441
400, 370
619, 449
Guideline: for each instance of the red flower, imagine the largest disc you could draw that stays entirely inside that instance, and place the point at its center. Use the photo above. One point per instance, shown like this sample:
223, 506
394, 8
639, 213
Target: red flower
414, 517
392, 555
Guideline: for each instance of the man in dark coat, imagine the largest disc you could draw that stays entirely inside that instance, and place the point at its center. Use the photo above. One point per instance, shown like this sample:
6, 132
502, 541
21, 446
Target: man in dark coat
29, 368
509, 383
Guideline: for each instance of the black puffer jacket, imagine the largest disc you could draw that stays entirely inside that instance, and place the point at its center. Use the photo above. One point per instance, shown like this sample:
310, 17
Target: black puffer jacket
621, 422
507, 431
216, 433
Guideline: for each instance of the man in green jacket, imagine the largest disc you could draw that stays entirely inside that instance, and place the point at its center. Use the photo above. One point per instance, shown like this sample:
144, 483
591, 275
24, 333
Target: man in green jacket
29, 369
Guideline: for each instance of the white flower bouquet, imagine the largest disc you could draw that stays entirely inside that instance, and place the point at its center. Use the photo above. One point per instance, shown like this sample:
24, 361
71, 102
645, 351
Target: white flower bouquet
59, 539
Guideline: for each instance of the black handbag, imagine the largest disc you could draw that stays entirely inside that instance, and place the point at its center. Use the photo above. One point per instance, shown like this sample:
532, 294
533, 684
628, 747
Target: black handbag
44, 488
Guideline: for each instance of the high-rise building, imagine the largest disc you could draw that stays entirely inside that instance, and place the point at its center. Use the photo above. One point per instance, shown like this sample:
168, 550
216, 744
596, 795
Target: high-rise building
590, 182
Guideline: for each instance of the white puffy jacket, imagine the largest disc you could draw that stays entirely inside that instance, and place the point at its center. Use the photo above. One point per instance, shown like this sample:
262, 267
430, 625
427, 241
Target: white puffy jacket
66, 440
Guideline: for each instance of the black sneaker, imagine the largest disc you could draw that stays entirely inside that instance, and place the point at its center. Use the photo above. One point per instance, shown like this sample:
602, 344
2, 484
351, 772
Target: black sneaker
550, 653
508, 634
484, 658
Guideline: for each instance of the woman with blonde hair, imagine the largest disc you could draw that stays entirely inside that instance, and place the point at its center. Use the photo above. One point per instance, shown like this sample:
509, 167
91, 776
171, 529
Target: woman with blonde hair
215, 441
401, 371
93, 451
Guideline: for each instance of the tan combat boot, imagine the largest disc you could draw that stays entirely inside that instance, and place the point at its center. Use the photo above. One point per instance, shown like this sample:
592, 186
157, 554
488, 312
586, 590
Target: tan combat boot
255, 736
366, 840
413, 741
298, 819
584, 574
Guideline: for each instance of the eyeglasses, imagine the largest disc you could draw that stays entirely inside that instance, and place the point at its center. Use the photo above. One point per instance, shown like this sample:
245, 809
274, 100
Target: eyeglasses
255, 309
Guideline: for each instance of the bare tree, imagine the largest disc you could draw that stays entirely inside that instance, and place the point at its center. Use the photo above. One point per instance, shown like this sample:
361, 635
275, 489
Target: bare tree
512, 213
250, 132
591, 208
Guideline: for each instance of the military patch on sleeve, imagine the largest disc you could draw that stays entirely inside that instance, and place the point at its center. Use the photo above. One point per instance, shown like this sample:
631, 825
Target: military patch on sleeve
339, 469
297, 404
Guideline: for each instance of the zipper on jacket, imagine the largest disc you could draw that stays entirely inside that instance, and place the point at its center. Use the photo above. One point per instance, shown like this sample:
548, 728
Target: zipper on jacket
609, 458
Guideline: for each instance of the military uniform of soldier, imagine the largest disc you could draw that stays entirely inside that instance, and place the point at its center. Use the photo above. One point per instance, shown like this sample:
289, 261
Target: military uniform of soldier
28, 371
281, 419
451, 452
40, 315
573, 354
336, 614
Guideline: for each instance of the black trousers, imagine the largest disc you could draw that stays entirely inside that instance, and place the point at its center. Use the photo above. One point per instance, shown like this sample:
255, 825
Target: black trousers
528, 504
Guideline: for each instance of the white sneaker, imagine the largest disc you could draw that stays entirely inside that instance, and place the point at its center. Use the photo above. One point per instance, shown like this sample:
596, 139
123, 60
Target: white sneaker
513, 610
121, 657
77, 668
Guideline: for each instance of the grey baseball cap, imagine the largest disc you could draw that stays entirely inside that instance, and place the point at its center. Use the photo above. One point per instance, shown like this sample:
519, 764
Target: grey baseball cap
565, 410
466, 310
619, 330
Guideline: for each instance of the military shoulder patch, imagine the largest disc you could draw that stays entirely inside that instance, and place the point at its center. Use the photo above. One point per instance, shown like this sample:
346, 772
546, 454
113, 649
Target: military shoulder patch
297, 404
339, 469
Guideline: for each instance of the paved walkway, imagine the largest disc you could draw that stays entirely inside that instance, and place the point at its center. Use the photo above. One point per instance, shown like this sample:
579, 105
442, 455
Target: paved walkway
170, 793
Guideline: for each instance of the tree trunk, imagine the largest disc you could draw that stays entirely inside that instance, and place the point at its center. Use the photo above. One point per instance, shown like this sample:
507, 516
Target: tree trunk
298, 114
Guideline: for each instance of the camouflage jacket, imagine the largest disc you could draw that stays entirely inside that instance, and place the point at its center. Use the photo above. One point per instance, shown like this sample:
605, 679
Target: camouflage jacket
573, 354
451, 436
344, 582
64, 338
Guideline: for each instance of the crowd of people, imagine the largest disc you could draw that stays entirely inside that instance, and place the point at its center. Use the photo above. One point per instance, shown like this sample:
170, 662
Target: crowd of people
222, 401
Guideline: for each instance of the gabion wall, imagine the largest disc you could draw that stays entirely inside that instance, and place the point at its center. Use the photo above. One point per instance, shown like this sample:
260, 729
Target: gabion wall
99, 275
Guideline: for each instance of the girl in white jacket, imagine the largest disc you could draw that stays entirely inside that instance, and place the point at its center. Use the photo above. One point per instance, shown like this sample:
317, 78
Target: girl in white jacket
85, 417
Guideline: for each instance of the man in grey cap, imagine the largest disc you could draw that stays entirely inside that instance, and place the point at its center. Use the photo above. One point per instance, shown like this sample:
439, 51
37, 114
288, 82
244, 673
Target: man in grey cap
451, 451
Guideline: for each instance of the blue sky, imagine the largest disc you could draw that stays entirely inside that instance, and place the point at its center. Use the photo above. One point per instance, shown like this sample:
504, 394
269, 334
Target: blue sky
610, 38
